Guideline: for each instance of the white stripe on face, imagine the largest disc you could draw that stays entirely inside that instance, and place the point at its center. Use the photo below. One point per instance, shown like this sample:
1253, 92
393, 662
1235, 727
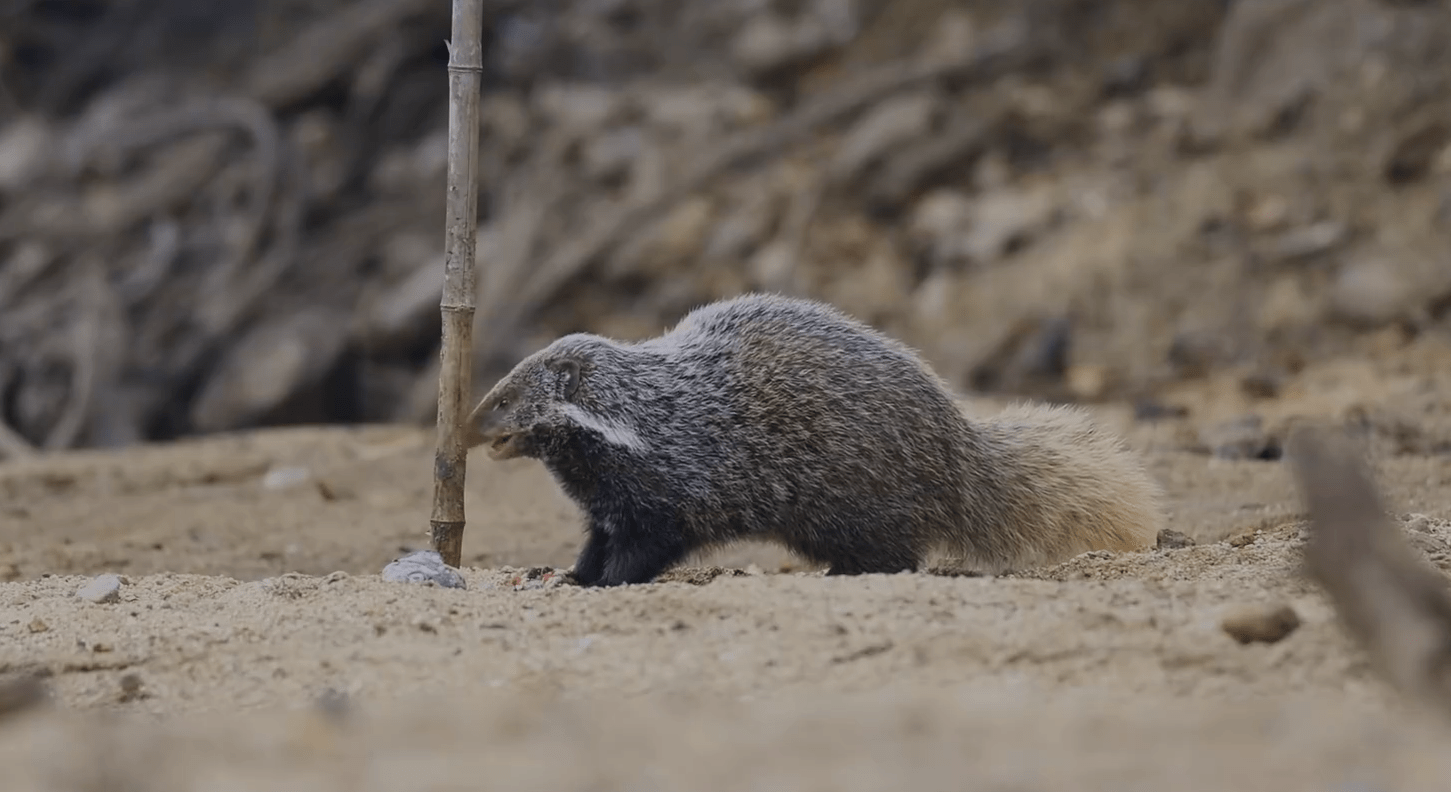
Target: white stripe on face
614, 433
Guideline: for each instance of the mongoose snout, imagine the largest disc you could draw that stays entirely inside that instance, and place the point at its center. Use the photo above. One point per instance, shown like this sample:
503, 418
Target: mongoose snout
502, 422
511, 418
487, 426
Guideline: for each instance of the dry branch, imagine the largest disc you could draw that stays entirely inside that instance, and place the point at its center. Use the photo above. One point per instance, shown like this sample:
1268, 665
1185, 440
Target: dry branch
12, 445
1388, 598
905, 171
245, 285
164, 238
326, 49
85, 362
465, 68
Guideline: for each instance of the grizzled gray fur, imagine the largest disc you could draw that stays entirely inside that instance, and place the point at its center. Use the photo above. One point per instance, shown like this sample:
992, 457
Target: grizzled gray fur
766, 417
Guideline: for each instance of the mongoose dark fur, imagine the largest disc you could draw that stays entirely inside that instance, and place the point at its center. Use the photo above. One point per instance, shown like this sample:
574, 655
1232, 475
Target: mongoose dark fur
775, 418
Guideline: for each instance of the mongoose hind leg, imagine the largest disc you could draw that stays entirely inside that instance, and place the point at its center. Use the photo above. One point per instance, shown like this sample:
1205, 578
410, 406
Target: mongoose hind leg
870, 567
866, 556
590, 566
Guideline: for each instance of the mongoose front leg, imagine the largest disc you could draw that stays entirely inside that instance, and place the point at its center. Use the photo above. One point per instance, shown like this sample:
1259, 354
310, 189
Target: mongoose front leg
590, 566
642, 546
640, 562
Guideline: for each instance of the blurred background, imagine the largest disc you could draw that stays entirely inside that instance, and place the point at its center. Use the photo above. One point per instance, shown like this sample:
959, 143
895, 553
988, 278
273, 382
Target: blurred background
224, 215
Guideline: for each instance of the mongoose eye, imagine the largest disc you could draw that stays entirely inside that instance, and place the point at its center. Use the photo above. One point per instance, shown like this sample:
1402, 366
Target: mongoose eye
503, 403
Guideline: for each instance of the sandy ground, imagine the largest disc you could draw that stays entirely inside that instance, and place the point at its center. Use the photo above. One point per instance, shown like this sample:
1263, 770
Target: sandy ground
255, 646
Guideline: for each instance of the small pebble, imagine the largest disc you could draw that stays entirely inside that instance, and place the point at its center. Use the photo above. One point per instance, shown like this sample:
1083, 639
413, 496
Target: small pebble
334, 703
1242, 438
285, 477
19, 694
37, 625
1173, 540
1266, 624
1262, 384
422, 567
1194, 354
1308, 241
130, 686
1150, 410
105, 588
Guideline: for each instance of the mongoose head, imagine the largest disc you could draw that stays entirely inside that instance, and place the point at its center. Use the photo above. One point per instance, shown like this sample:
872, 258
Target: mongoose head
546, 398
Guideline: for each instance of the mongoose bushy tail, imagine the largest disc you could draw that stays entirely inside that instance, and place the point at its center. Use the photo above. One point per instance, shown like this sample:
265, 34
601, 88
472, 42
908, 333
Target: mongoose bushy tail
783, 419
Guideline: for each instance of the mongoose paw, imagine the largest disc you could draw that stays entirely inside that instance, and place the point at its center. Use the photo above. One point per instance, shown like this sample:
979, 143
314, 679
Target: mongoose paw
590, 566
640, 562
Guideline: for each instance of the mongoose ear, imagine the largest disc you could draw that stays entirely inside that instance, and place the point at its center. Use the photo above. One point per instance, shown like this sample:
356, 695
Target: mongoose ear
568, 369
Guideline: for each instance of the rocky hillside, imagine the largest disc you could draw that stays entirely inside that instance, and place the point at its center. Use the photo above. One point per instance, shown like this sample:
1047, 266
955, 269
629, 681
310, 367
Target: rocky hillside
230, 215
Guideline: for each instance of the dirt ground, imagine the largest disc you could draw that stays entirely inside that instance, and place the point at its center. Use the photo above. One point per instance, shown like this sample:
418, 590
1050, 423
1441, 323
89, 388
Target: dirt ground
254, 644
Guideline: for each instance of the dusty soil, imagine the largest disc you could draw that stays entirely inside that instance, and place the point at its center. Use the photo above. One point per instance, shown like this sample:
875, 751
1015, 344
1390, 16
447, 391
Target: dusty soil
255, 645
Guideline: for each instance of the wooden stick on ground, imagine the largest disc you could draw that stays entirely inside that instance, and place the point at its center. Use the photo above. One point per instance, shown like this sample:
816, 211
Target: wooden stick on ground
1389, 599
465, 68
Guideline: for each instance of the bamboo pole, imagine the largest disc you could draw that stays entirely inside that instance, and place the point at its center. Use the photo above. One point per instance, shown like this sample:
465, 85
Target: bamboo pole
465, 69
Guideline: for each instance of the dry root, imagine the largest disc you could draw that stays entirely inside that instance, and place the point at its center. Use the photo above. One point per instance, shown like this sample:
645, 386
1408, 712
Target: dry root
1392, 602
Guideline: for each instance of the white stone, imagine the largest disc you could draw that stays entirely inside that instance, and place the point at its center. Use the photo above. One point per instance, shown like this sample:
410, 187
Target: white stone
104, 588
421, 567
